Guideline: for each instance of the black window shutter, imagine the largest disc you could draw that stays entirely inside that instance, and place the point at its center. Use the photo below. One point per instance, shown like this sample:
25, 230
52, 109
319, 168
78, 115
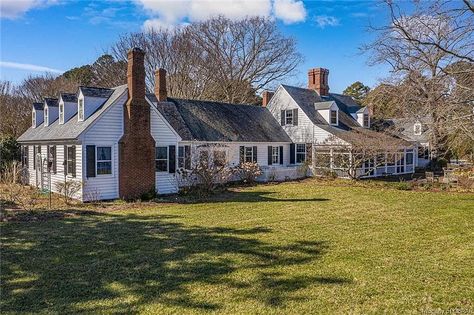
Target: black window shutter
270, 155
187, 157
254, 154
53, 148
90, 162
282, 117
292, 153
73, 161
295, 117
27, 156
242, 152
281, 155
34, 157
172, 158
65, 160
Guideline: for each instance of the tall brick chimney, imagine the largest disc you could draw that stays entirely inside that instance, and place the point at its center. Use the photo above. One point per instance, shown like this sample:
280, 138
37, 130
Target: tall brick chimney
318, 80
137, 146
160, 85
266, 97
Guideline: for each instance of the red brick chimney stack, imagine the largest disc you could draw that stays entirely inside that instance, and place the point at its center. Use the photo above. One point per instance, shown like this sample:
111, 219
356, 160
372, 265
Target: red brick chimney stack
266, 97
318, 80
137, 146
160, 85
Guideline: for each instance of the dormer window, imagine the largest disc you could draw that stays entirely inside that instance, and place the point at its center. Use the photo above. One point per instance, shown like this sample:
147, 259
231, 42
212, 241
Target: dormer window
333, 117
61, 113
417, 129
46, 116
81, 109
33, 119
366, 121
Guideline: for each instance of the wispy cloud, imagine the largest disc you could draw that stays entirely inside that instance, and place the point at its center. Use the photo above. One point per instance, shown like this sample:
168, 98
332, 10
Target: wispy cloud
12, 9
326, 20
28, 67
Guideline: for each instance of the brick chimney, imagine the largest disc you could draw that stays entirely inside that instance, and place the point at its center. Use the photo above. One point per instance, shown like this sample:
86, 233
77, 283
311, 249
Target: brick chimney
318, 80
266, 97
137, 146
160, 85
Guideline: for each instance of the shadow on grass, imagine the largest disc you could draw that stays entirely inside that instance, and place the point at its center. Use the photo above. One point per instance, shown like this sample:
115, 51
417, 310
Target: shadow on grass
238, 196
120, 262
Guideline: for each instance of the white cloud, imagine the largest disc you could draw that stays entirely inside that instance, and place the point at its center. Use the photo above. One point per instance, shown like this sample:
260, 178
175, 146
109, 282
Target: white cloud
11, 9
28, 67
167, 14
326, 20
289, 11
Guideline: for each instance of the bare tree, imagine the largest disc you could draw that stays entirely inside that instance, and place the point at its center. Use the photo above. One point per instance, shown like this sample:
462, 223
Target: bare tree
421, 47
218, 59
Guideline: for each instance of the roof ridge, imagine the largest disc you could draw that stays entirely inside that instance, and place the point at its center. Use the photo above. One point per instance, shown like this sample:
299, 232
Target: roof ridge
213, 102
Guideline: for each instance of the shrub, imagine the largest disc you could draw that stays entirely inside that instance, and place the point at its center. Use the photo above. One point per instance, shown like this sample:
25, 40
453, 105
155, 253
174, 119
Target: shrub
249, 171
403, 186
68, 189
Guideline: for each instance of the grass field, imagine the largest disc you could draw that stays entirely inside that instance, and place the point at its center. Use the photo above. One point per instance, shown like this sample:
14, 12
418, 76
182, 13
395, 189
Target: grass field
307, 247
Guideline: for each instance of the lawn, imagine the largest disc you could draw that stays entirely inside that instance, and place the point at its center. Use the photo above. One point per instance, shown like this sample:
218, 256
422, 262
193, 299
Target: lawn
303, 247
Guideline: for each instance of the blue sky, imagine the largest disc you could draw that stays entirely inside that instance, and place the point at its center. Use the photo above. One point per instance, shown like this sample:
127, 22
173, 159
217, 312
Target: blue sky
59, 35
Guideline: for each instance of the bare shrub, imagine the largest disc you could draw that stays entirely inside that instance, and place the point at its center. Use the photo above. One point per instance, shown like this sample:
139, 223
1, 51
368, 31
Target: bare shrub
68, 188
249, 171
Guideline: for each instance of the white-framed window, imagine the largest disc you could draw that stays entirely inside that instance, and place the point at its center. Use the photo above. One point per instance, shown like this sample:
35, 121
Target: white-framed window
275, 155
289, 117
161, 159
71, 161
366, 120
104, 160
33, 118
417, 129
248, 154
80, 110
46, 116
333, 117
300, 152
61, 113
181, 157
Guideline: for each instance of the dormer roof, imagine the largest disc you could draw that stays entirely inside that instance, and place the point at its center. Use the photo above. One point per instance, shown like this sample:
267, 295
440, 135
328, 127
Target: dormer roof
95, 91
38, 106
51, 102
323, 105
69, 97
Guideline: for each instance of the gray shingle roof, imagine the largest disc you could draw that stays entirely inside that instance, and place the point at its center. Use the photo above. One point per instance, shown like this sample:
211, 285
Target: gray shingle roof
405, 127
197, 120
69, 97
38, 106
73, 128
323, 105
95, 91
51, 102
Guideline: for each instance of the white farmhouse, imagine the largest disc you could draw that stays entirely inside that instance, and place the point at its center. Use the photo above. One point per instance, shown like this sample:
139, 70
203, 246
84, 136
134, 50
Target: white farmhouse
124, 142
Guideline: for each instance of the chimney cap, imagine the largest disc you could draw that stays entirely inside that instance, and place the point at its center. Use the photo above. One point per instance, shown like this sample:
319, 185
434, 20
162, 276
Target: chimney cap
136, 50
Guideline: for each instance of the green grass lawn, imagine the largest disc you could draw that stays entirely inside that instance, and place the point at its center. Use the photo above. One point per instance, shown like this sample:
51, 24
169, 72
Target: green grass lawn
307, 247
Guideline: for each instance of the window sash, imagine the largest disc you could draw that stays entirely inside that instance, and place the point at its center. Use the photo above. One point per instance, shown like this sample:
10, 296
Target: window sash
181, 157
366, 120
300, 153
333, 117
46, 116
161, 159
61, 113
103, 160
248, 154
275, 155
70, 160
289, 117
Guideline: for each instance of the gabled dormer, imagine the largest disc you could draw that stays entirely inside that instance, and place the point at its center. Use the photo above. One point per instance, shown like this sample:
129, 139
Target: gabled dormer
67, 106
37, 114
89, 99
329, 111
363, 117
51, 111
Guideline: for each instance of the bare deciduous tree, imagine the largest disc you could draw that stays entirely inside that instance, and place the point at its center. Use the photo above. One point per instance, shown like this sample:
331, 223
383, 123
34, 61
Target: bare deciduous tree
425, 49
218, 59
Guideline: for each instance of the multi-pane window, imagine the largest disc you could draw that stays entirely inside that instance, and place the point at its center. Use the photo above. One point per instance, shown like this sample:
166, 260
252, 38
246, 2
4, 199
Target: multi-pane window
289, 117
409, 158
366, 120
161, 159
333, 117
61, 113
104, 160
248, 154
24, 157
300, 153
33, 118
219, 158
275, 155
417, 129
181, 157
46, 116
71, 161
52, 158
81, 109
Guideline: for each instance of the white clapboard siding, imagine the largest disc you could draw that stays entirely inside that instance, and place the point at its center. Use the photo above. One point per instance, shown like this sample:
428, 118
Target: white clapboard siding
106, 131
164, 135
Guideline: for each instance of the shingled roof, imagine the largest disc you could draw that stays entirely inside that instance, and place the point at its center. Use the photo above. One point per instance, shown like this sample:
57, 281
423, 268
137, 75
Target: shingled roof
96, 92
197, 120
51, 102
38, 106
73, 128
69, 97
